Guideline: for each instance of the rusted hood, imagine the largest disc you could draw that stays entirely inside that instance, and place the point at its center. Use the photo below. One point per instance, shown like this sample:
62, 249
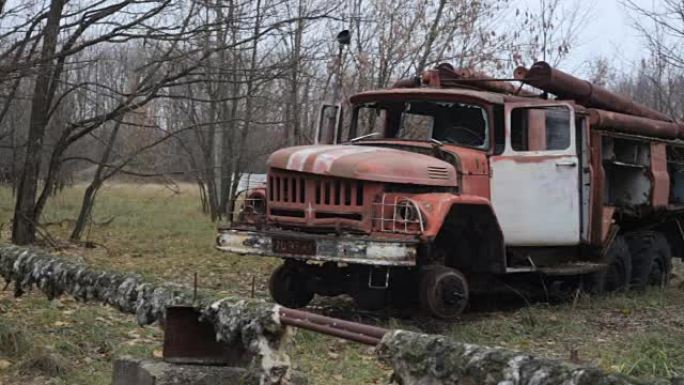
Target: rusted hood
365, 163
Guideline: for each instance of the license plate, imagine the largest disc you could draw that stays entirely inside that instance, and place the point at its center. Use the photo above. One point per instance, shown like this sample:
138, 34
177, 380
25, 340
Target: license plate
294, 246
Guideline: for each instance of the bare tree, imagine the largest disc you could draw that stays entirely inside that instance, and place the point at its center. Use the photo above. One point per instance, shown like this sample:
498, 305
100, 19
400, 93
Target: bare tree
662, 26
25, 216
202, 89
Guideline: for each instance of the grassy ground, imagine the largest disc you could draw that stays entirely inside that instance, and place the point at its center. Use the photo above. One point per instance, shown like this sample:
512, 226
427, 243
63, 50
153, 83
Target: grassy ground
160, 232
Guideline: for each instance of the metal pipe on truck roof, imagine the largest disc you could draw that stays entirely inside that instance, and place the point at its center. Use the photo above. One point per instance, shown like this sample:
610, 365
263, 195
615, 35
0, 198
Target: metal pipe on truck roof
541, 75
520, 73
445, 75
486, 82
616, 121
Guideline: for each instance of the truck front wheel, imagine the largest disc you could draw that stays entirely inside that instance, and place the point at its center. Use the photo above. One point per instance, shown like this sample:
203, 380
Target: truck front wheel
443, 292
288, 286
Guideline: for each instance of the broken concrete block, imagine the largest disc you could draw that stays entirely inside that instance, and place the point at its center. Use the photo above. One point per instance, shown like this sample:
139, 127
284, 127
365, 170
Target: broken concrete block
251, 325
133, 371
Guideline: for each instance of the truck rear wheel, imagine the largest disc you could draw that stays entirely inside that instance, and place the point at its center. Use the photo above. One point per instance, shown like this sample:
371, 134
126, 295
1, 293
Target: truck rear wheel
651, 260
287, 286
443, 292
617, 276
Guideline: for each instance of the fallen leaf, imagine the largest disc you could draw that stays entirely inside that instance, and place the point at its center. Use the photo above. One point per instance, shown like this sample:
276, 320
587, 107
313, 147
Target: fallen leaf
337, 377
4, 364
60, 323
334, 356
157, 353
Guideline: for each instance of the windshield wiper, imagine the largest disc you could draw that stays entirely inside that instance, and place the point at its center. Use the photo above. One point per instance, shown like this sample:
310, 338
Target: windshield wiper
437, 148
364, 137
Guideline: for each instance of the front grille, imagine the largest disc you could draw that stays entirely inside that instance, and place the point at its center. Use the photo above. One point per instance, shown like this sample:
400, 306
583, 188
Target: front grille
317, 201
283, 188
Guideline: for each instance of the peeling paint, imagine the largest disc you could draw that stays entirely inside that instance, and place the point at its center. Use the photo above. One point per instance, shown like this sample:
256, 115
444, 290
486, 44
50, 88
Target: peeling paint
335, 249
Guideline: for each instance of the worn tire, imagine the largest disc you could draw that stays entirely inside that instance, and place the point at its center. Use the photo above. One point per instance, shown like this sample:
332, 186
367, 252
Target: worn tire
618, 275
288, 287
443, 292
651, 260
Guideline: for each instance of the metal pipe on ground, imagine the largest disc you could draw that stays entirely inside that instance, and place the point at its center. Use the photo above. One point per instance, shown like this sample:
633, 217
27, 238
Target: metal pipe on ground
541, 75
616, 121
355, 327
328, 330
365, 334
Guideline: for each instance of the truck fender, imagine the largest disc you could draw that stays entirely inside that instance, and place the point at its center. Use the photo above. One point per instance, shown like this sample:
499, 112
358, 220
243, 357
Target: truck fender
470, 219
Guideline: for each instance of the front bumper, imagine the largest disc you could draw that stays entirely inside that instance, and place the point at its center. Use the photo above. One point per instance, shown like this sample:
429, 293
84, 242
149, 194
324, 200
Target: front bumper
346, 249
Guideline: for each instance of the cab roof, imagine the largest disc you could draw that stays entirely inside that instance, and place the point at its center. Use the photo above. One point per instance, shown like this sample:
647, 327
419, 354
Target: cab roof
437, 93
475, 95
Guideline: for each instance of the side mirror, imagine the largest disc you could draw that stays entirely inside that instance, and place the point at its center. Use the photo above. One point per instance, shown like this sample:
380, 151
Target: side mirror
328, 124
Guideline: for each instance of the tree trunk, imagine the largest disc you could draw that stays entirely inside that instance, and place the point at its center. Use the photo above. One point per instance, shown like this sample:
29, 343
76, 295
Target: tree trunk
432, 35
239, 160
25, 216
99, 178
295, 69
86, 211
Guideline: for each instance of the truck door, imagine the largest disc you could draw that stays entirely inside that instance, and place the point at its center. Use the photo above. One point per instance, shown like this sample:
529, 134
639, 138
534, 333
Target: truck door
328, 129
535, 183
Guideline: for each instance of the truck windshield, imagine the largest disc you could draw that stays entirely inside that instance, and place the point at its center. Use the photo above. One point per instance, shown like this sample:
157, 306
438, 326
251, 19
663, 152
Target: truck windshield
450, 122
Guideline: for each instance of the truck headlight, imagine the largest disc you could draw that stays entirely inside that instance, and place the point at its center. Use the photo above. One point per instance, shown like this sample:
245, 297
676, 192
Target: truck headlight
407, 211
408, 214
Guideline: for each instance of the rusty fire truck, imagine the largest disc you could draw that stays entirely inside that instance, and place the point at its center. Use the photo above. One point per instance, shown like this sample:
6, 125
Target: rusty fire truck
454, 183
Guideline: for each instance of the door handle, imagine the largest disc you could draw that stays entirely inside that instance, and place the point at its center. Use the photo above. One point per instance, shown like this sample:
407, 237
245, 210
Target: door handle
566, 163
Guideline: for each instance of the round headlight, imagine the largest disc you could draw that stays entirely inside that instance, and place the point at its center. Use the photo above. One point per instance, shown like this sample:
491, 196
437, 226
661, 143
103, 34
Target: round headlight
407, 211
258, 204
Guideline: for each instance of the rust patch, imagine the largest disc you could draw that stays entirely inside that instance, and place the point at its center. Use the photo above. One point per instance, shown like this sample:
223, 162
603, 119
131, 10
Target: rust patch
660, 191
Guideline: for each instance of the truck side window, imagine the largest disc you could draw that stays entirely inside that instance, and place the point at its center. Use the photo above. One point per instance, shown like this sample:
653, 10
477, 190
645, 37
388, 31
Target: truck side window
540, 129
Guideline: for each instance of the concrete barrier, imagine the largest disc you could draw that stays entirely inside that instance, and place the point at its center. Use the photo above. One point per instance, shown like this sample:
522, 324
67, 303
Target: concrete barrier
425, 359
254, 325
415, 358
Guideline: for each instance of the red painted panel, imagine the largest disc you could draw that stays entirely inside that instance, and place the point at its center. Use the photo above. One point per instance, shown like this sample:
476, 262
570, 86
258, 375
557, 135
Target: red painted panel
661, 179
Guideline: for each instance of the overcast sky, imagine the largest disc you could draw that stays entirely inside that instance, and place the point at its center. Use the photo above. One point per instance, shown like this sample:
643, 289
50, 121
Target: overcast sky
609, 32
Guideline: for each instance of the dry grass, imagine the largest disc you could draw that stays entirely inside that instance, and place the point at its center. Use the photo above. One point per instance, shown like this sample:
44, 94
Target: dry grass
161, 233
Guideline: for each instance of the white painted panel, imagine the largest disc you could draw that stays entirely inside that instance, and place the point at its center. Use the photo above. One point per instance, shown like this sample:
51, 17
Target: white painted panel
536, 199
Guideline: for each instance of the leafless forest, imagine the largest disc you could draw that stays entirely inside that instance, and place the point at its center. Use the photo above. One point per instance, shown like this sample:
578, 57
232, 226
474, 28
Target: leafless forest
202, 90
